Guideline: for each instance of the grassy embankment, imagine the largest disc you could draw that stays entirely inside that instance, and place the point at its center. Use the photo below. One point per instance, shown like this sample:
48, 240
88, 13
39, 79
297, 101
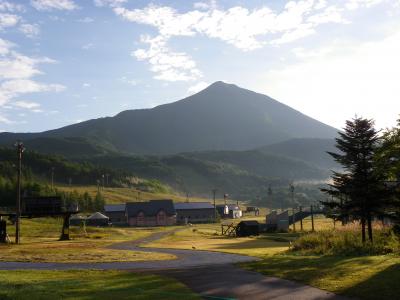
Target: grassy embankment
122, 195
39, 243
364, 276
90, 285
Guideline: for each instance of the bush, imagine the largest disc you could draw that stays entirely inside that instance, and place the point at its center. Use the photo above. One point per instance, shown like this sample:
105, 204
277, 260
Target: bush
347, 242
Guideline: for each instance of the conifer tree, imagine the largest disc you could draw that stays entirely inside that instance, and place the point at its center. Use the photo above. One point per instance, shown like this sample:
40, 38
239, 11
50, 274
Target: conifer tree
358, 191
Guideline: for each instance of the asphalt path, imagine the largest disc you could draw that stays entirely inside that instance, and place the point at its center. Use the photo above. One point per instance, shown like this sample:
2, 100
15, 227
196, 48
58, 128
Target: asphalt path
211, 274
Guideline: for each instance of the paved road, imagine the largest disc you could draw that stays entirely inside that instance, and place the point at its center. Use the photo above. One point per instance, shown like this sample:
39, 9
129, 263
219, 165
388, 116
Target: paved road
185, 259
211, 274
231, 282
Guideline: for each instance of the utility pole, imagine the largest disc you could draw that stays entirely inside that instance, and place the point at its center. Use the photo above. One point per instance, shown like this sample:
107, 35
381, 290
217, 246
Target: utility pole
20, 150
187, 197
107, 179
225, 197
215, 207
52, 178
301, 218
102, 181
312, 218
291, 187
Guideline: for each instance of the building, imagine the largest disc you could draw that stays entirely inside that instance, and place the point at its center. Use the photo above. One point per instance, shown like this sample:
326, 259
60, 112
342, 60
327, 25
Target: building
247, 228
152, 213
77, 220
231, 211
116, 213
278, 222
194, 212
97, 219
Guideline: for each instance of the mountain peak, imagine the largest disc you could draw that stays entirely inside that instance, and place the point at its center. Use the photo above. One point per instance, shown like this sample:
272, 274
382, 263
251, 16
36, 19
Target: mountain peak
219, 84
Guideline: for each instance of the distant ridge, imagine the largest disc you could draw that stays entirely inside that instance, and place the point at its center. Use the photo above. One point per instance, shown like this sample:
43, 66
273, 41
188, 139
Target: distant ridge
221, 117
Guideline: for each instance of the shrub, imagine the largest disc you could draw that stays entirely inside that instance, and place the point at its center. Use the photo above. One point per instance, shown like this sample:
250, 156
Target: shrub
347, 242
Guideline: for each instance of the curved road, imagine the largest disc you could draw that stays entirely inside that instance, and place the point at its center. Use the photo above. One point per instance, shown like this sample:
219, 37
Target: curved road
211, 274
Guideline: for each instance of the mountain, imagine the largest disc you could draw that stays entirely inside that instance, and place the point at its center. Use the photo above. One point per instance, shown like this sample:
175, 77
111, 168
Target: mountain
311, 151
221, 117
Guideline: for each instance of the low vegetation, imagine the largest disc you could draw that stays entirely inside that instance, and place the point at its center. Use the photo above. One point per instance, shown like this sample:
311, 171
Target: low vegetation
40, 244
90, 285
346, 241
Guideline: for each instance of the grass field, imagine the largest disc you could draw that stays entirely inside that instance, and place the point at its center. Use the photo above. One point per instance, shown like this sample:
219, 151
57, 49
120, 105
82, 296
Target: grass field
39, 243
365, 277
208, 237
38, 285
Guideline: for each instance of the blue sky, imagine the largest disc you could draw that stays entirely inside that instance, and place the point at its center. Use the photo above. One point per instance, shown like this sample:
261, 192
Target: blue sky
64, 61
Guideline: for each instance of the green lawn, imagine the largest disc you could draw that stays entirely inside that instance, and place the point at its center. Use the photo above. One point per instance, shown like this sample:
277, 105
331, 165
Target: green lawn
89, 285
39, 243
365, 277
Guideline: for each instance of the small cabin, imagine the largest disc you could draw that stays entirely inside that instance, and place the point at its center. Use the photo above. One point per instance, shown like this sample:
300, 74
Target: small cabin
247, 228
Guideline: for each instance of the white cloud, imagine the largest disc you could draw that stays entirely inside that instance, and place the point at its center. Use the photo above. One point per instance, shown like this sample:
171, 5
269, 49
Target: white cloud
86, 85
20, 66
54, 4
5, 46
11, 7
243, 28
16, 72
111, 3
4, 119
8, 20
168, 65
197, 87
86, 20
355, 4
30, 30
88, 46
128, 81
26, 105
341, 80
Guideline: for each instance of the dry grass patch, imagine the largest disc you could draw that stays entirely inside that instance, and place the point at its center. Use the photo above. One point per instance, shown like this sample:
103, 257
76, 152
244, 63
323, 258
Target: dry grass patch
208, 237
73, 252
40, 244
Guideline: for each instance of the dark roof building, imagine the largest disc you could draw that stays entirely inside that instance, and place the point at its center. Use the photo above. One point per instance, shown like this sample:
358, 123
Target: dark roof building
247, 228
152, 213
116, 213
194, 212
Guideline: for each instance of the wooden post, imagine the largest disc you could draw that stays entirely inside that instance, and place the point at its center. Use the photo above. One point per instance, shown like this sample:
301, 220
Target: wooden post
312, 218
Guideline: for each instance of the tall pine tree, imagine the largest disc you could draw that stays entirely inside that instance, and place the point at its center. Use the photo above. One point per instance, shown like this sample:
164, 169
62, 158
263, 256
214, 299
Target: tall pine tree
357, 192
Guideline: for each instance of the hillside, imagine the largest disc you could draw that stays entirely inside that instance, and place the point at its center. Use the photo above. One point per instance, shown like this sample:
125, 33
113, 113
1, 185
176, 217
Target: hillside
312, 151
221, 117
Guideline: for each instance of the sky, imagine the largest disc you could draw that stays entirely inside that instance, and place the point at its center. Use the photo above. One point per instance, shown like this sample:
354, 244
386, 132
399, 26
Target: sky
65, 61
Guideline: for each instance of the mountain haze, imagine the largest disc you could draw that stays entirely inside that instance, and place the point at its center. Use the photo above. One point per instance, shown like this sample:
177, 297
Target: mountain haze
221, 117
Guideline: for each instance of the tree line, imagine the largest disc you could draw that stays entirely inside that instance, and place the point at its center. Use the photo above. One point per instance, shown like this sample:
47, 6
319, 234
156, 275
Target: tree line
368, 187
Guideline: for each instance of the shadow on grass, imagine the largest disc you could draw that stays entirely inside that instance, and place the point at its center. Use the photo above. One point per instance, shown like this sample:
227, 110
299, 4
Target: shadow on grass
91, 285
383, 285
